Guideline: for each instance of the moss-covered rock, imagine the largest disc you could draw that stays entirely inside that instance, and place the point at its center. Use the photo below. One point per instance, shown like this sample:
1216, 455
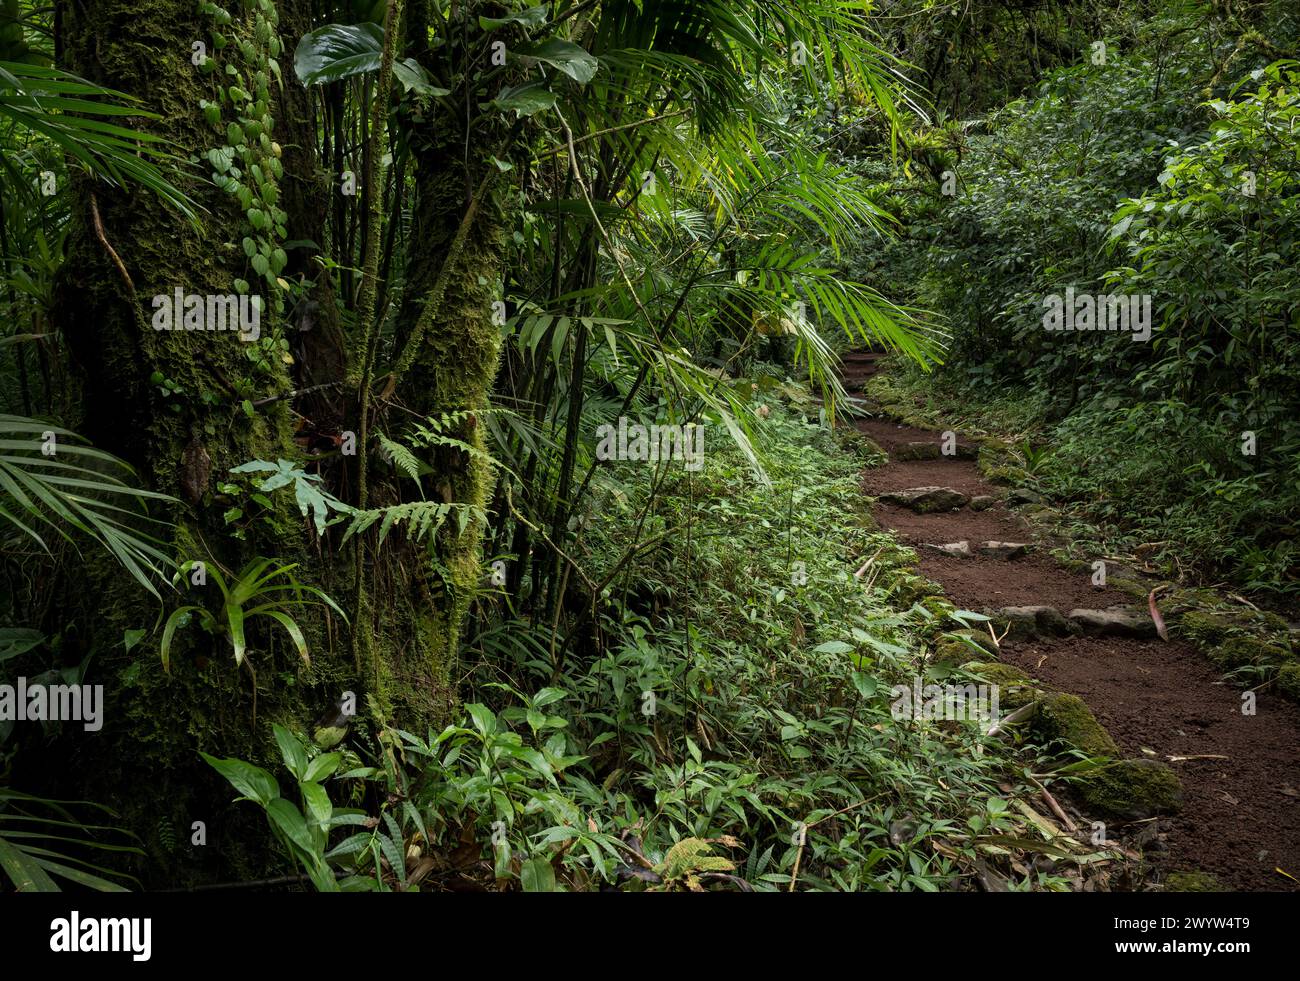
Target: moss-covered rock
1067, 719
927, 500
1015, 688
980, 637
1192, 882
1027, 499
939, 607
999, 673
1081, 566
1183, 599
1025, 622
996, 459
1126, 789
918, 451
955, 651
1240, 652
1205, 629
1004, 474
994, 445
1138, 589
910, 588
1132, 790
861, 445
1288, 682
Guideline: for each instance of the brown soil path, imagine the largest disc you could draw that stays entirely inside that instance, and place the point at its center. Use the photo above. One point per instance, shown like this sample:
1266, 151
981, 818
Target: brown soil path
1241, 815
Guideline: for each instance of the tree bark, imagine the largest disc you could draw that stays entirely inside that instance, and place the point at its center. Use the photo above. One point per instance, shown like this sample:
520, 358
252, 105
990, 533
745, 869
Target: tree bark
125, 247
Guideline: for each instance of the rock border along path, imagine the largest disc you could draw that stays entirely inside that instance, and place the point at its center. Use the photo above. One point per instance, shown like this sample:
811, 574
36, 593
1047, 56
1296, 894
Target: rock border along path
1240, 815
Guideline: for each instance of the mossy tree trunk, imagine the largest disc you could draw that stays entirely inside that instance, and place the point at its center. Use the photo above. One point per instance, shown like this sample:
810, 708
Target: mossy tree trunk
125, 247
453, 278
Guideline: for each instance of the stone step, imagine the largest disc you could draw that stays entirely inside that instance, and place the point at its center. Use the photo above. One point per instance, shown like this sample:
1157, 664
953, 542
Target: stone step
1003, 550
926, 500
1047, 621
958, 550
989, 550
932, 450
1113, 622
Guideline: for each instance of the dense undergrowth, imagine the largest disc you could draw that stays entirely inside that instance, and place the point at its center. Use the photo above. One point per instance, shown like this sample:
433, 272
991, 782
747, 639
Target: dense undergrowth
736, 726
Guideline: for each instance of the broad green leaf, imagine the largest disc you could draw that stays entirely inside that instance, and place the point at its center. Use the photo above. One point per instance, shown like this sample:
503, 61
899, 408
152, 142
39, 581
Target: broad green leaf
318, 803
525, 100
24, 871
323, 766
292, 750
339, 51
864, 683
286, 817
18, 640
251, 781
579, 64
484, 721
536, 875
532, 17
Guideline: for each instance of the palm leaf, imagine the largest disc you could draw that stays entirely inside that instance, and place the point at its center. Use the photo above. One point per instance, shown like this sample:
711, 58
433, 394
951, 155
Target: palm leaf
70, 112
37, 490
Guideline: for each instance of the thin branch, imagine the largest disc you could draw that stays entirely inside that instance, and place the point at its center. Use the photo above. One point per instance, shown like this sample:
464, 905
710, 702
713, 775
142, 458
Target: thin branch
103, 240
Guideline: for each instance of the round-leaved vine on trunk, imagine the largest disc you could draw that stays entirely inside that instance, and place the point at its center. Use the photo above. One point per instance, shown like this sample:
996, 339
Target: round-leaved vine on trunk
246, 160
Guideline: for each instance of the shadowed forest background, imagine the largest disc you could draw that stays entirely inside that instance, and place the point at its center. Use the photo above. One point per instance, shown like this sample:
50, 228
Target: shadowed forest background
369, 570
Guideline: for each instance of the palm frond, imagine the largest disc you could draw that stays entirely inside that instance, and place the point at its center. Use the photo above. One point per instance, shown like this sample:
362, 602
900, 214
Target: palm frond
73, 114
45, 482
28, 824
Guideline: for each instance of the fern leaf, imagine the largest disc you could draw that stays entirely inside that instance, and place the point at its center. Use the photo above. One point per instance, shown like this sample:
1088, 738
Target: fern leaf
402, 458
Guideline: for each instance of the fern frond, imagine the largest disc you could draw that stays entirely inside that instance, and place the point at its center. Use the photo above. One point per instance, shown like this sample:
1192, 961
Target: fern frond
403, 459
420, 519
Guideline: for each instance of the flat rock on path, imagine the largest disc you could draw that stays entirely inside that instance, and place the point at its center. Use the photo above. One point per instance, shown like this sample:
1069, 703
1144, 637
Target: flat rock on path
989, 550
1035, 621
961, 550
1160, 701
933, 450
925, 500
1113, 623
1003, 550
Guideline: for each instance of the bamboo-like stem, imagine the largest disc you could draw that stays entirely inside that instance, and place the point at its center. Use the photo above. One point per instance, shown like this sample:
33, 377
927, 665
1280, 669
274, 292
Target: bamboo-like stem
373, 189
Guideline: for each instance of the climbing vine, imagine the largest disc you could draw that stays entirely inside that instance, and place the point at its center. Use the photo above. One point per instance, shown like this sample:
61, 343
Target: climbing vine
246, 159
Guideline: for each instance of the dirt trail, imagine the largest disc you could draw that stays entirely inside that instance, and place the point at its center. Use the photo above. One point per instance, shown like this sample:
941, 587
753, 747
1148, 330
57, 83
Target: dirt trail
1241, 816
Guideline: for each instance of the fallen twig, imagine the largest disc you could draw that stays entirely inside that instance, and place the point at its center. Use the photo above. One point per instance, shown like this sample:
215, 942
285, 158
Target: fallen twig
867, 564
1056, 808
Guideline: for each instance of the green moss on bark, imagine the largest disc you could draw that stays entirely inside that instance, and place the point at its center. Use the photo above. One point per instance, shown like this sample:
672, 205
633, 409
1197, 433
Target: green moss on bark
145, 761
